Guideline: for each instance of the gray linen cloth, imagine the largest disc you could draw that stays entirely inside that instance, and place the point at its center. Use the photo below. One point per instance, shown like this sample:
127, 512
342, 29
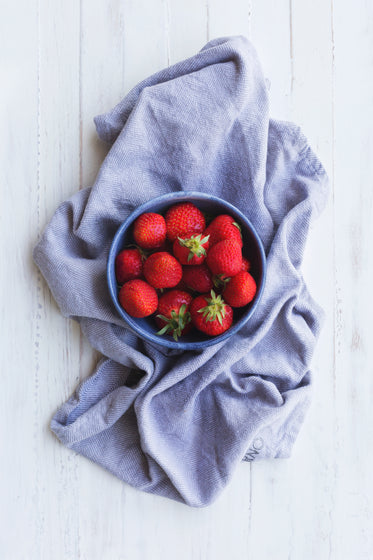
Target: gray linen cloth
178, 423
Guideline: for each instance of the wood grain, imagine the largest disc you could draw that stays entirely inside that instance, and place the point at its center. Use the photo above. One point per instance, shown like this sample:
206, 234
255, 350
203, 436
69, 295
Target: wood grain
64, 63
19, 358
353, 169
56, 471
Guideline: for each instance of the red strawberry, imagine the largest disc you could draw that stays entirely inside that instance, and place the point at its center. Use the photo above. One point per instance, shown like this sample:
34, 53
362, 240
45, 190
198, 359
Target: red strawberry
223, 227
191, 250
225, 258
246, 264
149, 230
198, 278
138, 298
240, 289
182, 219
173, 313
210, 314
128, 265
162, 270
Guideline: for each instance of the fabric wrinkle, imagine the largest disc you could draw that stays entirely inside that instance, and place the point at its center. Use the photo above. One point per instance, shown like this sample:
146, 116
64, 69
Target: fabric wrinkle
185, 420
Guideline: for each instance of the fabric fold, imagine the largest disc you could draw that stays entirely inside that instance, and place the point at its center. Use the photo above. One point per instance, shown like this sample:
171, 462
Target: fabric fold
178, 423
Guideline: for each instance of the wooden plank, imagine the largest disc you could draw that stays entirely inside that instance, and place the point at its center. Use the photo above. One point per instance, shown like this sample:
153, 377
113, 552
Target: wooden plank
39, 358
312, 108
271, 36
186, 27
20, 367
353, 430
101, 76
57, 469
313, 69
224, 20
146, 48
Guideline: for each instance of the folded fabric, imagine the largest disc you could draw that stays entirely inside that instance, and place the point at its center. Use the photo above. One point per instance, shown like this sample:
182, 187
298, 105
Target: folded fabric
178, 423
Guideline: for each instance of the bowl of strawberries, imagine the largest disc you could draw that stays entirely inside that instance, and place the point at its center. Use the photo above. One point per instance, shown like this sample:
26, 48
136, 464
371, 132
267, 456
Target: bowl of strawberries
186, 270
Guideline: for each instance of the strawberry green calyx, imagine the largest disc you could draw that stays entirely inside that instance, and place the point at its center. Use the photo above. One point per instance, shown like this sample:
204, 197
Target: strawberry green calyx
195, 244
237, 226
144, 254
177, 323
220, 280
215, 308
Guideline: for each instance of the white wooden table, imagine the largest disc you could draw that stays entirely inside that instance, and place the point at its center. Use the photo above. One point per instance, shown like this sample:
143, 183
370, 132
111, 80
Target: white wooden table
64, 62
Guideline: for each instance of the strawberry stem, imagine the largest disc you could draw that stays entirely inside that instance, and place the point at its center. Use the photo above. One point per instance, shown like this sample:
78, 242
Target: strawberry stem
195, 244
215, 308
219, 280
144, 254
176, 323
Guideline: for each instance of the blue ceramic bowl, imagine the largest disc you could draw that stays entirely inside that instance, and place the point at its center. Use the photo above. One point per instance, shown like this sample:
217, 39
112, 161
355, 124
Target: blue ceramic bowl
146, 327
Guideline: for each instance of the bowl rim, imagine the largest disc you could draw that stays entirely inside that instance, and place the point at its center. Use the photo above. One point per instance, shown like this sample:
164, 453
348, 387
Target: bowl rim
112, 285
